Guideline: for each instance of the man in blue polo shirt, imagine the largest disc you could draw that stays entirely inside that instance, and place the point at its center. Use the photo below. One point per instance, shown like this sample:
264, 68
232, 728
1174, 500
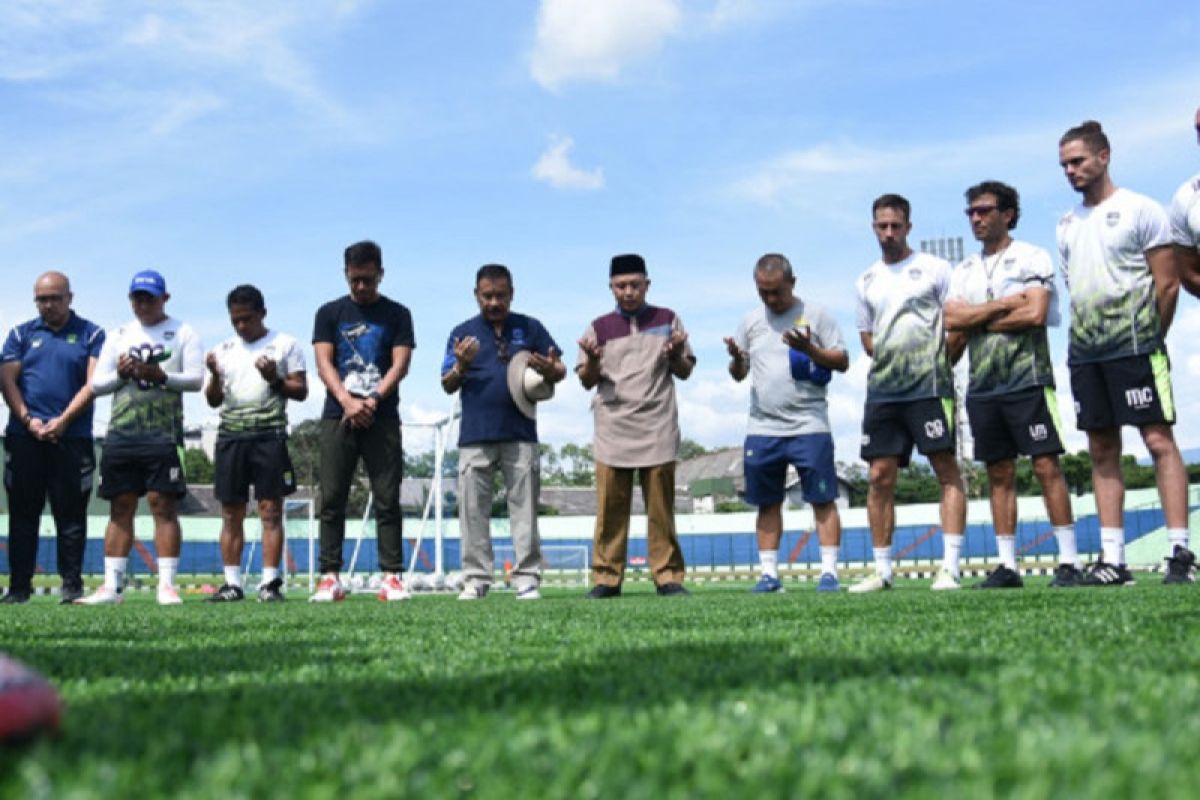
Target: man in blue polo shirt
498, 428
45, 374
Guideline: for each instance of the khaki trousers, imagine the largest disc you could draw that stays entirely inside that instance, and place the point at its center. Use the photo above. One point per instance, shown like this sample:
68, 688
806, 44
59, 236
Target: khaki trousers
477, 464
614, 496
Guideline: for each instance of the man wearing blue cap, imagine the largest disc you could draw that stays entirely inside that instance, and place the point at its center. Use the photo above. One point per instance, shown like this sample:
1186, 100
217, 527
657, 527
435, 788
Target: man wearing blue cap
45, 374
146, 365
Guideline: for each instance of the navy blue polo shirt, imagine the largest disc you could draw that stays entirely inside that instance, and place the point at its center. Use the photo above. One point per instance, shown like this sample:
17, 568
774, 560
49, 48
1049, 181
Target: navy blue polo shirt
488, 411
53, 370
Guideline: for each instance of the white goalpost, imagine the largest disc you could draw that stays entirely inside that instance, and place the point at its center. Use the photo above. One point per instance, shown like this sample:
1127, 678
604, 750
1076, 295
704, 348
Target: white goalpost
561, 563
441, 431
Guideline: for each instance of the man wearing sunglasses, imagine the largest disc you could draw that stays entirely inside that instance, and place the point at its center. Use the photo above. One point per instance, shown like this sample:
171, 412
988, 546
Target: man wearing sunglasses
498, 429
362, 343
146, 364
45, 374
1119, 265
631, 357
999, 305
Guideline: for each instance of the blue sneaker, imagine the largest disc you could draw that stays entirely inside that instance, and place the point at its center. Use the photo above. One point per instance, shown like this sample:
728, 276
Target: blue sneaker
766, 585
828, 583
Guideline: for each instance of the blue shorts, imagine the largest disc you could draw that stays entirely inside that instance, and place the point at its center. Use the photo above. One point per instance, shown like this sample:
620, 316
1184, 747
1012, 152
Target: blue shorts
766, 461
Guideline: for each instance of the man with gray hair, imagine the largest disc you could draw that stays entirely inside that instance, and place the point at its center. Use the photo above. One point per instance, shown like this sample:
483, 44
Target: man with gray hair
789, 348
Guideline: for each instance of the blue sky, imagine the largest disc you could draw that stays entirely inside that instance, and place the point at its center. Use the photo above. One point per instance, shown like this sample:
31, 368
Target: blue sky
225, 142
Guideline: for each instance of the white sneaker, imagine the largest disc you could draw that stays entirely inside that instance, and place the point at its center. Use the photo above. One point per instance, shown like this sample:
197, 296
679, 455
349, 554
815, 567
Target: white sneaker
945, 581
329, 590
168, 595
875, 583
529, 592
393, 589
103, 596
474, 591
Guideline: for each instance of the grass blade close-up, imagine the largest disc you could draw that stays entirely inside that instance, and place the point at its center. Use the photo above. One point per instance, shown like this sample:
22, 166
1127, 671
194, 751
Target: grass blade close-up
1032, 693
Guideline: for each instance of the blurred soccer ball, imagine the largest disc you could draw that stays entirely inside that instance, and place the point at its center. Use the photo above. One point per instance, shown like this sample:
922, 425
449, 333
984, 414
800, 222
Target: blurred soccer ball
29, 705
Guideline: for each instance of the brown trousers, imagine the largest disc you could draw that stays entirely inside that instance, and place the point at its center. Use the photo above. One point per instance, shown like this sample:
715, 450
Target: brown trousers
614, 496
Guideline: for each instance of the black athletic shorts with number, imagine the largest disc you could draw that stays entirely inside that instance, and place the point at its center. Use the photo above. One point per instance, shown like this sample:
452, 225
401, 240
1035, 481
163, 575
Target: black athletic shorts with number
1124, 391
261, 462
141, 468
891, 429
1024, 422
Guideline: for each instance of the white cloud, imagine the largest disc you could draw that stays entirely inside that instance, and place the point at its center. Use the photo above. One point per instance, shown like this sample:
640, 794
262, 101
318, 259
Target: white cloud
587, 39
199, 39
555, 168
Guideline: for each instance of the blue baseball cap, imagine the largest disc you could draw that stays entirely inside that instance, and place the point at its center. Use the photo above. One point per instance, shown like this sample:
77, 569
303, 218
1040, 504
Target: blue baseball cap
150, 282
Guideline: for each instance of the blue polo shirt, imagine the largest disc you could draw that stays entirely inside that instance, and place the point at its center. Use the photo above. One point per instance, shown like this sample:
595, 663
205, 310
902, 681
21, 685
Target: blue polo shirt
53, 369
488, 411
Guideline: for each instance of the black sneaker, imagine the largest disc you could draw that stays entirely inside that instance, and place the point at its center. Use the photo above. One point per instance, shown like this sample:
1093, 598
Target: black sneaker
270, 592
69, 595
1067, 576
671, 590
1104, 574
602, 592
1002, 578
1181, 566
15, 598
227, 594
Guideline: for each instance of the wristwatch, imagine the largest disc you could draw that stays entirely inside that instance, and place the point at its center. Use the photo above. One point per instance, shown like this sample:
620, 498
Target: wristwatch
376, 396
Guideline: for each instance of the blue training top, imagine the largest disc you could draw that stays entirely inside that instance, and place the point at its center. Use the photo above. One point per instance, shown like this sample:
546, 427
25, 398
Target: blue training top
53, 370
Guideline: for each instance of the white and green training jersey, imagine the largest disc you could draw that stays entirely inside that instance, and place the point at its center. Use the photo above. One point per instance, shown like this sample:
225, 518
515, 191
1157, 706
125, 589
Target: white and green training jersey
1185, 214
1103, 251
149, 413
251, 406
900, 305
1007, 362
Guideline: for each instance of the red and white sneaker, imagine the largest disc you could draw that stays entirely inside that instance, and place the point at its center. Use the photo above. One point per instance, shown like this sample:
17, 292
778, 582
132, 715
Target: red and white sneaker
393, 589
329, 590
103, 596
168, 595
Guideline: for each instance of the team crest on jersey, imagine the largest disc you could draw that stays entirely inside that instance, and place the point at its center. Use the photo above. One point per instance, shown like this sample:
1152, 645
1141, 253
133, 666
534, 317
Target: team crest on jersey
168, 335
72, 338
867, 279
36, 343
914, 273
1112, 218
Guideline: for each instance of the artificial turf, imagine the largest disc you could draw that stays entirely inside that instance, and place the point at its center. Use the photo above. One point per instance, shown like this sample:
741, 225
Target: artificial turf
1030, 693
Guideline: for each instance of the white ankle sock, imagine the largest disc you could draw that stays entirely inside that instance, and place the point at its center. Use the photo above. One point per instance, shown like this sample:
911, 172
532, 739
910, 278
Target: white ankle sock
769, 560
233, 576
167, 567
883, 562
829, 560
1007, 547
114, 572
1177, 536
1112, 543
269, 574
1068, 553
951, 549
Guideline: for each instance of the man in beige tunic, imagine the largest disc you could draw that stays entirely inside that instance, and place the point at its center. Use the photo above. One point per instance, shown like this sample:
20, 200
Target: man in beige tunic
631, 356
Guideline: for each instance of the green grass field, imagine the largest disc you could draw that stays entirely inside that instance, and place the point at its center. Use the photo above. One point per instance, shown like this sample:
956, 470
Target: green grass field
1033, 693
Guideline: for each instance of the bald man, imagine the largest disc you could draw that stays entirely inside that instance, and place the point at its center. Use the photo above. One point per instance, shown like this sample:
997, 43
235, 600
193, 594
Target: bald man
45, 374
